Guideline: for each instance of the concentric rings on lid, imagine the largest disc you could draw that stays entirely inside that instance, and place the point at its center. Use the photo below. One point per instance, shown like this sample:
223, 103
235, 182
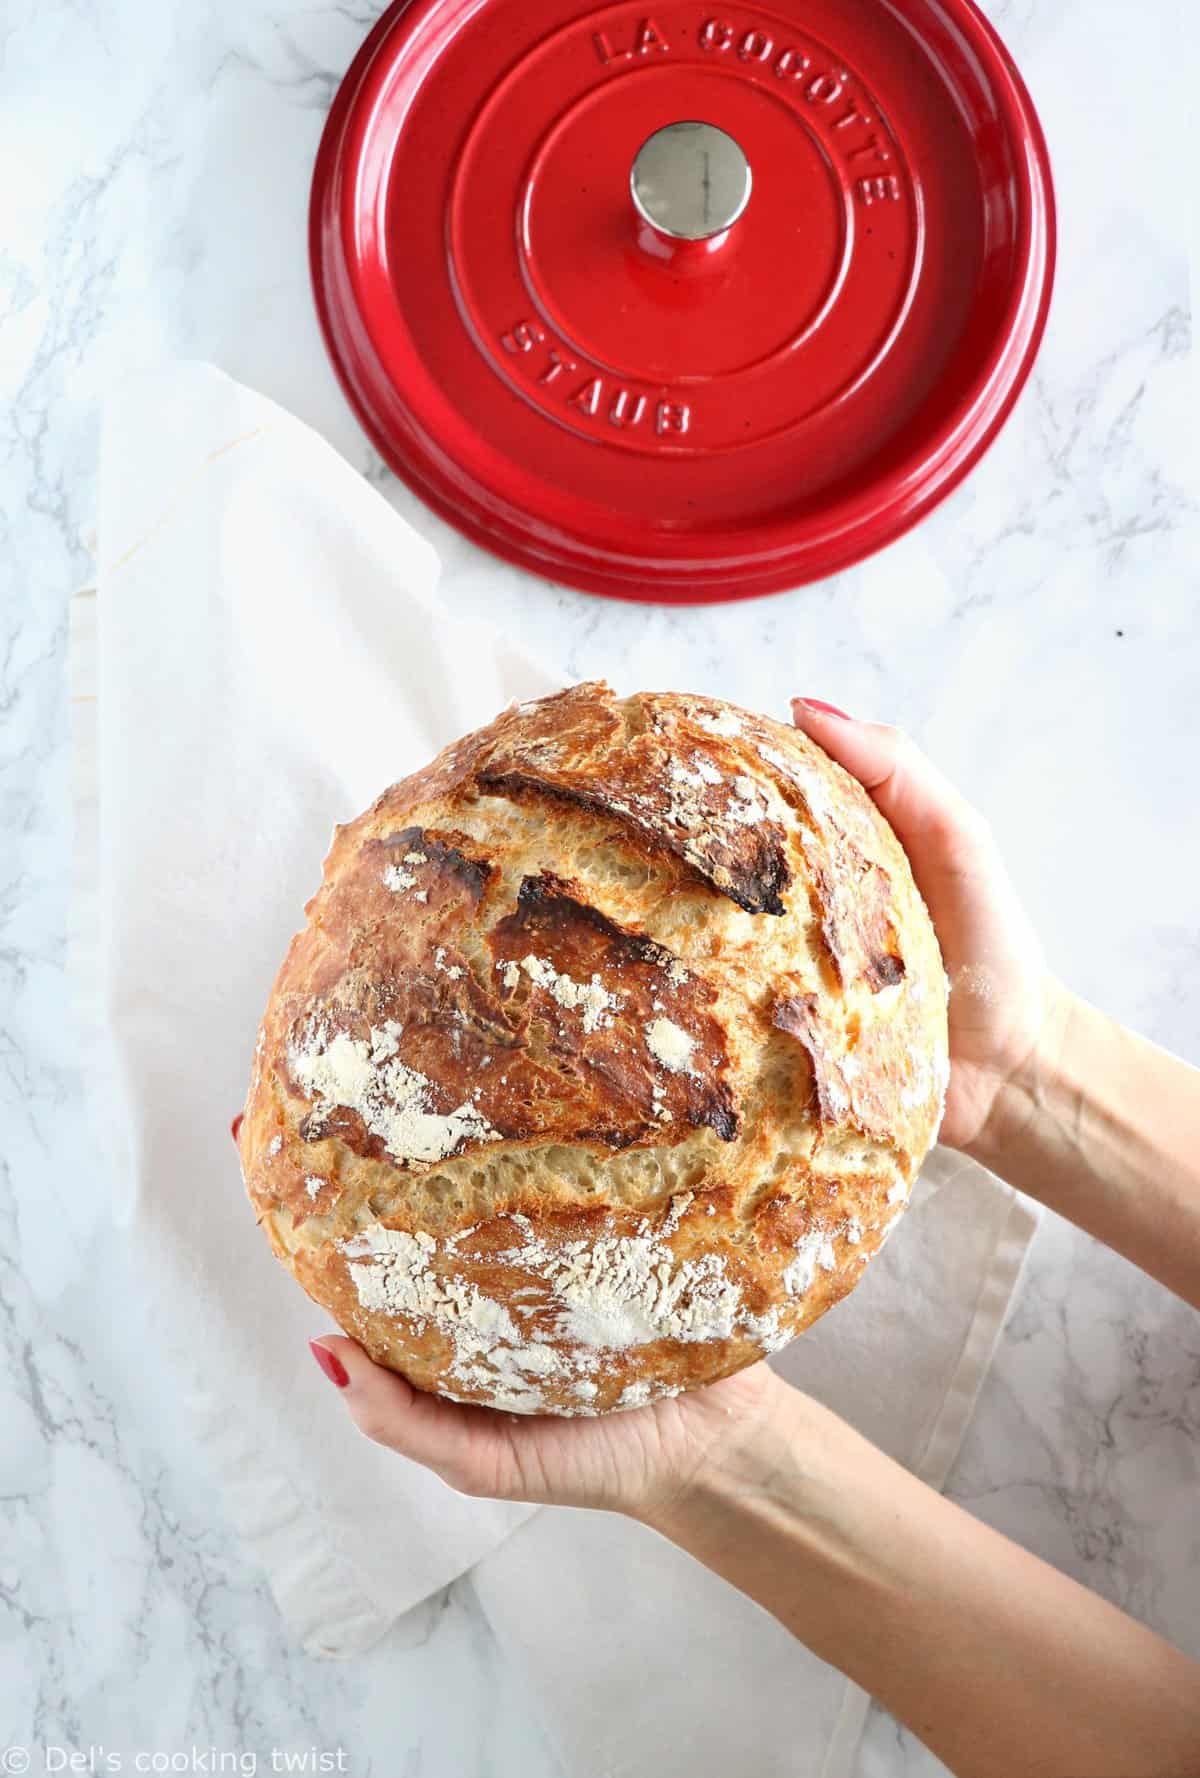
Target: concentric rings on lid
684, 304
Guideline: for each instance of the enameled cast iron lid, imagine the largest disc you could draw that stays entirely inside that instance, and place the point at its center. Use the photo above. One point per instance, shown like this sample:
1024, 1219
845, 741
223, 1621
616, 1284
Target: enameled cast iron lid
675, 303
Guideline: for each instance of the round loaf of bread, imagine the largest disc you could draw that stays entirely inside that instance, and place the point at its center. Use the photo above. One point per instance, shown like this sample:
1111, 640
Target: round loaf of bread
606, 1060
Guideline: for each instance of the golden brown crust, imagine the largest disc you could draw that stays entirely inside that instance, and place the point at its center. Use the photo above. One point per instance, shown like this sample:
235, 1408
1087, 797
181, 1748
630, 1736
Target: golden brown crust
607, 1058
650, 788
635, 1098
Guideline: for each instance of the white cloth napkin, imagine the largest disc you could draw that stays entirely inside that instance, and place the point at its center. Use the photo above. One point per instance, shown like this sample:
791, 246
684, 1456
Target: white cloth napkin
269, 655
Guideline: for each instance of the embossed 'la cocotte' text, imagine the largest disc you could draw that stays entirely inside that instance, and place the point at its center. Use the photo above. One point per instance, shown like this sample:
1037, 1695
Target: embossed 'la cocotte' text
854, 130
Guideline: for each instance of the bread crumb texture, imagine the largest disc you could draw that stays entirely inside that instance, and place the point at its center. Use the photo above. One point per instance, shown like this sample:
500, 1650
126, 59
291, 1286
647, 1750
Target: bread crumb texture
607, 1058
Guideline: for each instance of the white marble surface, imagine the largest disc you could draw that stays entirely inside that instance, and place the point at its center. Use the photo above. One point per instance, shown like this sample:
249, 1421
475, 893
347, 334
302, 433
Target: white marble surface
1038, 634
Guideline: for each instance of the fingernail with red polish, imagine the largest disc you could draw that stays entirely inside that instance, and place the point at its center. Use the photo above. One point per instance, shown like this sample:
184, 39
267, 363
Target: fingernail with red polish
825, 709
330, 1363
235, 1128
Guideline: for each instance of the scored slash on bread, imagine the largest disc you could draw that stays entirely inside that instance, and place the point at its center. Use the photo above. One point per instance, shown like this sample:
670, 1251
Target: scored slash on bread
607, 1058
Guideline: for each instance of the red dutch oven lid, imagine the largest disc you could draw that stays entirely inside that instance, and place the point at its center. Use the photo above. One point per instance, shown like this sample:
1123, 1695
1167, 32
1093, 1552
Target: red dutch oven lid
682, 304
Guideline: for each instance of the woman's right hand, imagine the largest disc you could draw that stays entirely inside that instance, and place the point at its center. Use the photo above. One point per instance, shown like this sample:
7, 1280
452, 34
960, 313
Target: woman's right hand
1002, 1000
645, 1462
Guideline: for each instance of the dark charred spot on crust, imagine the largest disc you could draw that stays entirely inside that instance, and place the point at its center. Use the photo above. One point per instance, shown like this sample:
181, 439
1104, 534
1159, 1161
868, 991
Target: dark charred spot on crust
884, 970
724, 1121
444, 862
545, 902
856, 921
758, 884
748, 865
883, 965
607, 1048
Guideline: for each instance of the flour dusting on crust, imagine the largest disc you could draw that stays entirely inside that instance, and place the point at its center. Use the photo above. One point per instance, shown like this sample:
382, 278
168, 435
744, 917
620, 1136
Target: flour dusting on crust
394, 1101
669, 1044
724, 722
592, 999
630, 1290
816, 1249
393, 1275
604, 1297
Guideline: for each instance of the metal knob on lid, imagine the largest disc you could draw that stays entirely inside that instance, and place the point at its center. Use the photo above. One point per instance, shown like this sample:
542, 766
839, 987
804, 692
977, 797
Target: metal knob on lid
690, 182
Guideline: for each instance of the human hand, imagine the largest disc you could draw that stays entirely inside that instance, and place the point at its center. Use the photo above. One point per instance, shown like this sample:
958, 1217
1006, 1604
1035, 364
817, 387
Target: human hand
1001, 996
642, 1462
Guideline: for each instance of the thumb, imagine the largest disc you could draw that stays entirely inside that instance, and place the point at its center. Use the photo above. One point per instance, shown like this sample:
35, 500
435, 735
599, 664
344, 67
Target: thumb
918, 801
